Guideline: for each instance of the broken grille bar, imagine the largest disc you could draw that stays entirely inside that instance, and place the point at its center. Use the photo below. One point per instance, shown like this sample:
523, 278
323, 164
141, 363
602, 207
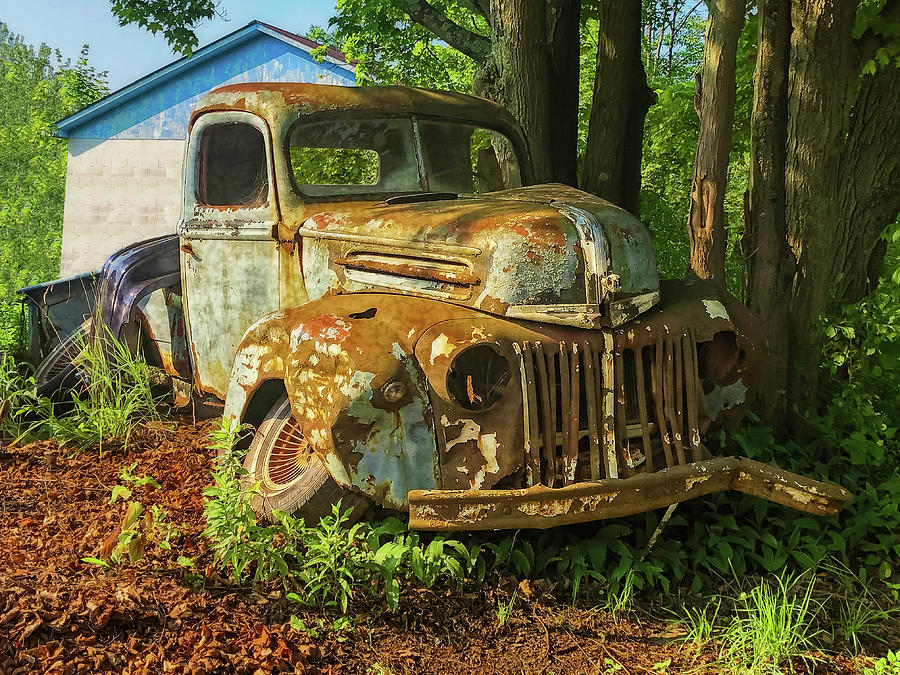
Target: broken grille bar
587, 410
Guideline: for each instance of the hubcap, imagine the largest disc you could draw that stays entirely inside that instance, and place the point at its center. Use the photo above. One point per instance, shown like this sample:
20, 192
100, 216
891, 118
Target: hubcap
288, 456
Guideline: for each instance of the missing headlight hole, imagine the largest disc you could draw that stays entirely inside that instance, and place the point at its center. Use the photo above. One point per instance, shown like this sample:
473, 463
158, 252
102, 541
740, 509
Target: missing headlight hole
477, 377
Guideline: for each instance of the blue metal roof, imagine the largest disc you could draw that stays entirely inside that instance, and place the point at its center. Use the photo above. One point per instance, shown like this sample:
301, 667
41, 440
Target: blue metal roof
153, 106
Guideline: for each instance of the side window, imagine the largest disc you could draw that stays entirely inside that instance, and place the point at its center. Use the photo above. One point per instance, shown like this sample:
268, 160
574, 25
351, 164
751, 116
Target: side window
232, 166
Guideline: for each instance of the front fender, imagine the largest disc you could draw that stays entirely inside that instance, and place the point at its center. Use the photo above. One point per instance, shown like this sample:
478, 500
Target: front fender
348, 366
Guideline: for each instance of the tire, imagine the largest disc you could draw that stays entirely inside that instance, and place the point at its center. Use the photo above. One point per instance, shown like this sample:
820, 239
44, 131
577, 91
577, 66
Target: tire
58, 371
289, 475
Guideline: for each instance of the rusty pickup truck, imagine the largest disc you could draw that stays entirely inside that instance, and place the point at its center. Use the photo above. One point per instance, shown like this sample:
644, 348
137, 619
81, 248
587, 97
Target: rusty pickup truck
369, 277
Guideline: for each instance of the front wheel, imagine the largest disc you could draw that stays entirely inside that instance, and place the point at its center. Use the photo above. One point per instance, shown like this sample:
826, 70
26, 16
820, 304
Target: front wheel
289, 475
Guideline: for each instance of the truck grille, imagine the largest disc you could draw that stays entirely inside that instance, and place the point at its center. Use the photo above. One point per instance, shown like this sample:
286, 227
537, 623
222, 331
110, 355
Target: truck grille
604, 411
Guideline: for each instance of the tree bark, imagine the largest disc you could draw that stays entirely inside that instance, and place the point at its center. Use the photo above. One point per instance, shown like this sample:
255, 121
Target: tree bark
870, 185
563, 44
521, 62
706, 220
769, 267
821, 76
612, 162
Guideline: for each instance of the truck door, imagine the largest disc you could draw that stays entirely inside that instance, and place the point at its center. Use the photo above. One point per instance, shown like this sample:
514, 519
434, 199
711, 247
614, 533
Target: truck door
229, 260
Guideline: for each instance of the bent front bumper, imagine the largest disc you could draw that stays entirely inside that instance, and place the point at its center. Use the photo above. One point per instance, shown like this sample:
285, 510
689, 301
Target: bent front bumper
541, 507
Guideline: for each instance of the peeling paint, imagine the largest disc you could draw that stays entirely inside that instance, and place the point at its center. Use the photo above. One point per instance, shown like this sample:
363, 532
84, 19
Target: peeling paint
715, 309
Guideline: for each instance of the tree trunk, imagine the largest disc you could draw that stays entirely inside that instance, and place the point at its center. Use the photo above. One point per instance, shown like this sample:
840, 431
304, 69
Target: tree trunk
870, 185
612, 162
533, 72
563, 43
821, 77
706, 221
769, 267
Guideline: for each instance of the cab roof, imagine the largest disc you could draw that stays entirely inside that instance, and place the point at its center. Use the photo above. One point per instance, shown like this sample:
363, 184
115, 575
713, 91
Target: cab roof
271, 99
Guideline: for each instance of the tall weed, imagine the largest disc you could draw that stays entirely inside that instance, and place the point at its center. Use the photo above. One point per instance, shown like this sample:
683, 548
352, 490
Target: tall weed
116, 397
772, 624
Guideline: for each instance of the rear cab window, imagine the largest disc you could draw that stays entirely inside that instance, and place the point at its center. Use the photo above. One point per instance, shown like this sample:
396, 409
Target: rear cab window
331, 157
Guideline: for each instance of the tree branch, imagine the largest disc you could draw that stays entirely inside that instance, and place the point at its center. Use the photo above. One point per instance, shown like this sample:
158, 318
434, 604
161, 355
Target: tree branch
479, 7
425, 14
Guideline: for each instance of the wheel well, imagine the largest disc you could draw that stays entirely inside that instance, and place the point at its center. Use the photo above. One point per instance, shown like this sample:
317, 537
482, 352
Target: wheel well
262, 401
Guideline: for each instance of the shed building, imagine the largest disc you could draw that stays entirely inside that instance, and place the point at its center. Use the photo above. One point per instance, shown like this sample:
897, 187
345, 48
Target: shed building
125, 152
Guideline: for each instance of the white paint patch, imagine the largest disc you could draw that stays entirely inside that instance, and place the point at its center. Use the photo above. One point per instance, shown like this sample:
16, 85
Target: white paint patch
716, 309
441, 347
487, 443
398, 352
247, 363
360, 383
469, 432
725, 398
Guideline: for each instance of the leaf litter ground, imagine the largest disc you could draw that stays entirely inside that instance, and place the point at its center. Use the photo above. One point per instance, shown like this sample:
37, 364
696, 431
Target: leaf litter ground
61, 615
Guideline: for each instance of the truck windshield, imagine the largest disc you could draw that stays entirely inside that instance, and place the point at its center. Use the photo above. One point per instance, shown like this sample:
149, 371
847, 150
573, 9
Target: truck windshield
366, 156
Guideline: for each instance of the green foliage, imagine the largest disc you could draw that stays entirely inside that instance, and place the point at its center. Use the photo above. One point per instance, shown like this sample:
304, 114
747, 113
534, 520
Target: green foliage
244, 547
886, 665
116, 398
140, 529
700, 623
335, 560
772, 624
39, 88
334, 166
670, 142
505, 609
17, 387
390, 48
175, 20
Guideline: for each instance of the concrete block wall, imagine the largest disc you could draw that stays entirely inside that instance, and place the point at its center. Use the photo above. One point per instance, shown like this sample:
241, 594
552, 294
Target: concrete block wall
118, 191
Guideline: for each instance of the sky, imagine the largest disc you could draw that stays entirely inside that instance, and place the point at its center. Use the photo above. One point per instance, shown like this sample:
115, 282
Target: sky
130, 53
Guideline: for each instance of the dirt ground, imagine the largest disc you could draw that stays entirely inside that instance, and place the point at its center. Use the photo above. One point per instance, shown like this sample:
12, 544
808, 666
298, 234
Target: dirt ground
61, 615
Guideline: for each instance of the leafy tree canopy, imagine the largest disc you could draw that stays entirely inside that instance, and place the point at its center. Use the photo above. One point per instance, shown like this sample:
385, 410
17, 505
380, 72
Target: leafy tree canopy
39, 88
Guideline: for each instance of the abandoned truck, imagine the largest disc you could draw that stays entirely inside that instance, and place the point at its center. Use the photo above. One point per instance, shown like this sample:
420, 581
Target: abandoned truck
369, 277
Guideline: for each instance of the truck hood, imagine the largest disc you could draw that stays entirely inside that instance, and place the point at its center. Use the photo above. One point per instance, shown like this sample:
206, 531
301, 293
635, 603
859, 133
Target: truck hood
546, 252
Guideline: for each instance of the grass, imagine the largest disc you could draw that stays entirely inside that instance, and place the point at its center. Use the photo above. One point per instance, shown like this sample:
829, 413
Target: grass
115, 397
767, 627
773, 624
17, 387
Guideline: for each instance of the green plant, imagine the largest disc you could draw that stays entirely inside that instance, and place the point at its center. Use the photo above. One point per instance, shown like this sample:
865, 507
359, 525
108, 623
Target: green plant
16, 387
139, 529
857, 618
123, 491
700, 623
621, 601
116, 399
505, 609
335, 562
339, 628
238, 541
858, 612
772, 623
886, 665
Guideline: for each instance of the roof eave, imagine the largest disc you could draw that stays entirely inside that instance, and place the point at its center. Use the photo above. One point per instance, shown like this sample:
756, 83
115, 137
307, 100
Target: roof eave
67, 124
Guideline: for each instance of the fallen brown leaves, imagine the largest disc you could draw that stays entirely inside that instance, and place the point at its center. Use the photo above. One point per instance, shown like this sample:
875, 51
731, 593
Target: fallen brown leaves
61, 615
